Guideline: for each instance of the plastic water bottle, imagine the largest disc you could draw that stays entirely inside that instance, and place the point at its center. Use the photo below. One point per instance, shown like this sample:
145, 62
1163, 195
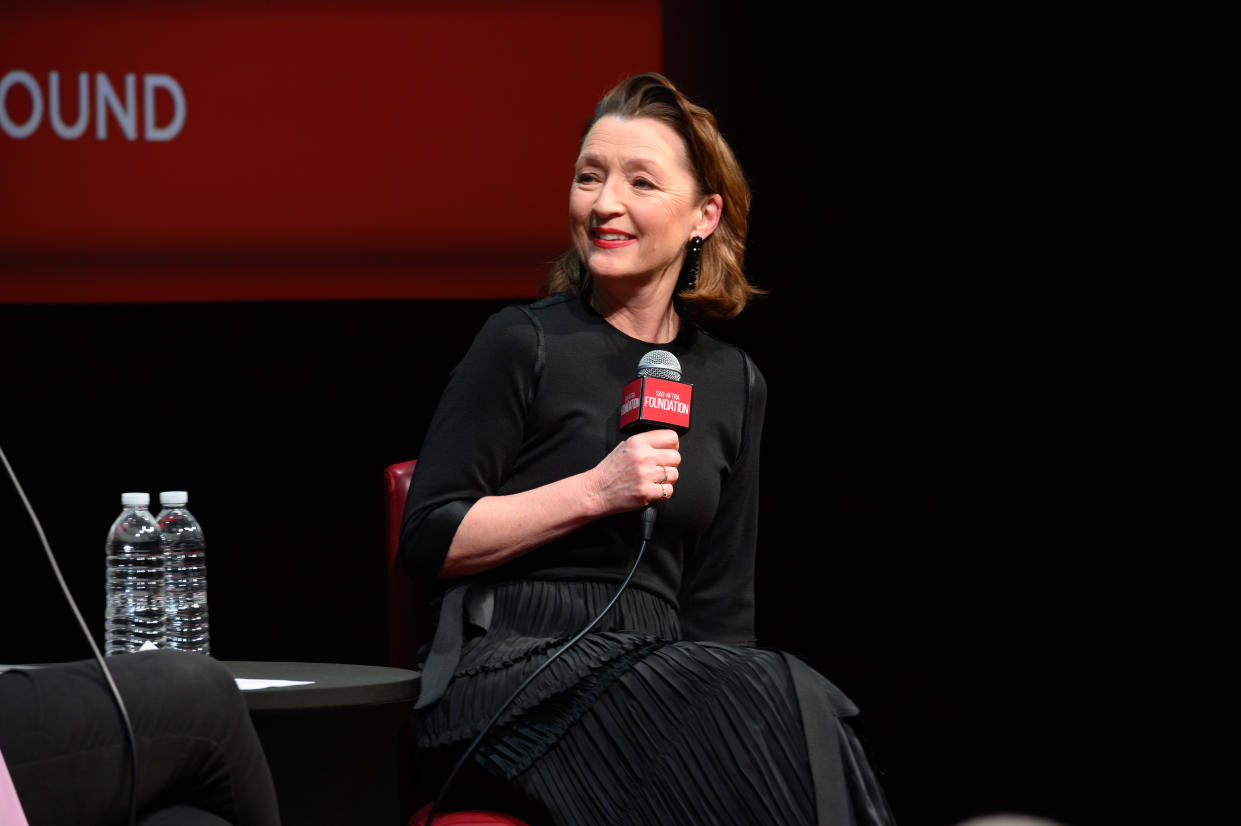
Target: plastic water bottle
135, 599
186, 581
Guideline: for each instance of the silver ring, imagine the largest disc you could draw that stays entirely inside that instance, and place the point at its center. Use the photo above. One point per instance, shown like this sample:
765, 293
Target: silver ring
665, 479
665, 490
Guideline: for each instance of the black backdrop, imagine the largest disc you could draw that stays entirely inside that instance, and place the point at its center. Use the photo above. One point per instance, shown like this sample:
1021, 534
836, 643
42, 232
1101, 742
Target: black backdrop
934, 535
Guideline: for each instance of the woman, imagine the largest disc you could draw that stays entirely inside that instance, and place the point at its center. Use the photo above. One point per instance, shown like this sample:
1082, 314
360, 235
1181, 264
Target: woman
523, 513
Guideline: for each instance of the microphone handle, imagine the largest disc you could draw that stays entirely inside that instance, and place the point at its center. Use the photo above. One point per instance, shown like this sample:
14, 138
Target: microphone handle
648, 522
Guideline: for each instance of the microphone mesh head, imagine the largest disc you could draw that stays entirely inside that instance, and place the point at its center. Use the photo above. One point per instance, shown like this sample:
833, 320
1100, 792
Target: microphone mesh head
660, 364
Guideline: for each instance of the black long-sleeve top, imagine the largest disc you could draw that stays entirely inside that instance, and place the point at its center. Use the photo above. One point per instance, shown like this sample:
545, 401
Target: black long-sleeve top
537, 399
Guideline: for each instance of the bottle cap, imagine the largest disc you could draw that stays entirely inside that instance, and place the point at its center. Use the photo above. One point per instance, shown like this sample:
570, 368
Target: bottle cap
173, 498
135, 500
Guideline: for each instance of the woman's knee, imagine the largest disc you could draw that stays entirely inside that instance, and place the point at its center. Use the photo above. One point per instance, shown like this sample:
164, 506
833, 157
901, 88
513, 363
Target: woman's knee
199, 682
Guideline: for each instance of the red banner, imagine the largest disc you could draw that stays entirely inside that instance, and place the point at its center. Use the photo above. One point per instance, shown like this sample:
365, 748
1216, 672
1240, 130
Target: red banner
227, 151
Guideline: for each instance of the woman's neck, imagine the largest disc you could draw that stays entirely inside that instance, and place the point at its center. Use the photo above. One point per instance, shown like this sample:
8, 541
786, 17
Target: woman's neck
646, 314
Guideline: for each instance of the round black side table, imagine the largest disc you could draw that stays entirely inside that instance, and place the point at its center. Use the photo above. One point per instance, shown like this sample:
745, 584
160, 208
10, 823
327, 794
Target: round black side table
339, 748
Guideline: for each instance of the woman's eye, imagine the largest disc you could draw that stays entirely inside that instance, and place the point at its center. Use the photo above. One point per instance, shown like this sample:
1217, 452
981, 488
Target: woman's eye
643, 183
585, 178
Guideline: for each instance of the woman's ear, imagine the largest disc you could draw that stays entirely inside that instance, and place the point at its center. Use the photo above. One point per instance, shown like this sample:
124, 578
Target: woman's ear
712, 211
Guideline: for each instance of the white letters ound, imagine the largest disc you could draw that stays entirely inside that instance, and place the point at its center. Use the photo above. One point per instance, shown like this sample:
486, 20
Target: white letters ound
122, 107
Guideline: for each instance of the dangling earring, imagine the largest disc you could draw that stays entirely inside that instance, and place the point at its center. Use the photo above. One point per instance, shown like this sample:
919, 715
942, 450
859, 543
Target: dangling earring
693, 261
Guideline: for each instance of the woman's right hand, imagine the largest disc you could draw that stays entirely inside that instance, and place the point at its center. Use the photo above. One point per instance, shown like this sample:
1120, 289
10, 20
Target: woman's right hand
638, 472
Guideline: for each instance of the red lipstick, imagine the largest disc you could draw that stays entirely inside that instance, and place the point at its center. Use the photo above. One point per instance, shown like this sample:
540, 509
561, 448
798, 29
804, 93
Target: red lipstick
624, 238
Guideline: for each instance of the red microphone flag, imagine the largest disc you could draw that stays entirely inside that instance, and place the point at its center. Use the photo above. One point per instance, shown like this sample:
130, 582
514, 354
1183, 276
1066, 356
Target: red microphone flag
648, 403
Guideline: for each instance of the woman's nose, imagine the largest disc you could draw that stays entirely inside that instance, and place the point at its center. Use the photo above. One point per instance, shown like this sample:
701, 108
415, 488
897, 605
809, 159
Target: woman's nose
608, 201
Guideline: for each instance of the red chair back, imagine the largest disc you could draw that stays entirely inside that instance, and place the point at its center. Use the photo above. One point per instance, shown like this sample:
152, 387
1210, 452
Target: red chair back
407, 619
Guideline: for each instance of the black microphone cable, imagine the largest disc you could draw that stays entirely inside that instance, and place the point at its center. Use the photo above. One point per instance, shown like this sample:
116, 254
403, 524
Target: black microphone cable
648, 528
116, 694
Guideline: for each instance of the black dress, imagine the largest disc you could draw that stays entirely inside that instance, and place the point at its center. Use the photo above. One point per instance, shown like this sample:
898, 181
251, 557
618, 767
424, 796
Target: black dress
665, 713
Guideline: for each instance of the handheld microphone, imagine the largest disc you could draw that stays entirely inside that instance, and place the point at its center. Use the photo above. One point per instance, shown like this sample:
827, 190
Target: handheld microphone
656, 399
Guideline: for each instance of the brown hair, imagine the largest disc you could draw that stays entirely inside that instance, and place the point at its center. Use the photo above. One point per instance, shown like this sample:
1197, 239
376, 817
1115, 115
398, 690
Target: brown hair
722, 290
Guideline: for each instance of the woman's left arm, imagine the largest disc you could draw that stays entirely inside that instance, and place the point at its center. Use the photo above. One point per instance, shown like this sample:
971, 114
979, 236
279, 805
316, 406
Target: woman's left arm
717, 583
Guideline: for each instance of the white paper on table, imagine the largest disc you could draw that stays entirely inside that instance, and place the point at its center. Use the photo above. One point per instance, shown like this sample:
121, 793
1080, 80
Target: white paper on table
247, 684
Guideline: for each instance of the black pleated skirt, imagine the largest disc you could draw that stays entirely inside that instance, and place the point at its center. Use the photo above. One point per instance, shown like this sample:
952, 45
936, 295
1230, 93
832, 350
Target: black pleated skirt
634, 725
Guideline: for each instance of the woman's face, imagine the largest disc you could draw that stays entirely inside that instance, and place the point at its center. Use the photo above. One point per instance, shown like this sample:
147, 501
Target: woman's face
635, 202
